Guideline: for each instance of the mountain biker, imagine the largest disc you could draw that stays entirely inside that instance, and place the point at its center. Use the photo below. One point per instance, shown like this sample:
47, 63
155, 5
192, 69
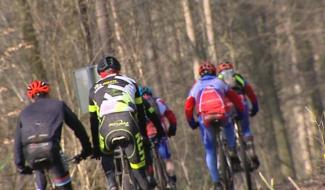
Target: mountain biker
204, 109
169, 123
38, 136
239, 84
116, 109
154, 118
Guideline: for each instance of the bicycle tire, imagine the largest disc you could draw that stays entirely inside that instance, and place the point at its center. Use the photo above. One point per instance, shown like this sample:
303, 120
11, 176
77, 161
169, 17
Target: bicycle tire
246, 165
244, 159
159, 171
126, 179
225, 166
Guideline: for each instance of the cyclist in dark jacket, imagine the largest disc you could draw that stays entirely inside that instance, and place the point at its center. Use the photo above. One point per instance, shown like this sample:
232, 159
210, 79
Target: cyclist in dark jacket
116, 109
38, 135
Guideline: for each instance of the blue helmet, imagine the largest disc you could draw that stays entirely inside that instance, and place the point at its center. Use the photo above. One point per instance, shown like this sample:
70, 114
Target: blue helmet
146, 90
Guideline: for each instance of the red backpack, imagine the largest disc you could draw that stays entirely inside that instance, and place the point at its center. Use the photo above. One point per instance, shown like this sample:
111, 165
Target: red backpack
211, 105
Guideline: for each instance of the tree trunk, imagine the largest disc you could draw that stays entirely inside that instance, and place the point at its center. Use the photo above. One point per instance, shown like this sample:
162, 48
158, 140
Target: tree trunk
103, 27
83, 11
151, 59
33, 54
209, 30
191, 36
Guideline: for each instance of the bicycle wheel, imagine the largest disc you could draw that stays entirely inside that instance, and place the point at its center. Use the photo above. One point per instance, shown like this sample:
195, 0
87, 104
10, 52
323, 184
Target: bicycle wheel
159, 174
245, 164
225, 170
124, 176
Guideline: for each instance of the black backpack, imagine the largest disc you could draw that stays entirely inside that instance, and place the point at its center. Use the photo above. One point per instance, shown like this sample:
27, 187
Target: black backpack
39, 147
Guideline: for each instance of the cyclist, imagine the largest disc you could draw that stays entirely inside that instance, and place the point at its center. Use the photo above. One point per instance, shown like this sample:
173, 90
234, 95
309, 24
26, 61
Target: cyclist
169, 123
207, 95
116, 109
238, 83
38, 137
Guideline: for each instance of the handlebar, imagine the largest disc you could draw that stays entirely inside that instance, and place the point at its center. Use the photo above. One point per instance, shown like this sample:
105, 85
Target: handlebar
76, 159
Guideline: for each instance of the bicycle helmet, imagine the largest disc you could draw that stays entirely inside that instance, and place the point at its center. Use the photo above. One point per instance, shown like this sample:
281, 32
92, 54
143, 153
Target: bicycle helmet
108, 62
224, 66
37, 87
207, 68
146, 90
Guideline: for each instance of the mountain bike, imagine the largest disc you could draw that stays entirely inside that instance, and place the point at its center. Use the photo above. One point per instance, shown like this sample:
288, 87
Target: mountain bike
123, 173
160, 172
224, 161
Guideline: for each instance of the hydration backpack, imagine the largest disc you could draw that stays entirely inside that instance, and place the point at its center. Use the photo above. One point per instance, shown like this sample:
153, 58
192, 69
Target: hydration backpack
211, 105
39, 148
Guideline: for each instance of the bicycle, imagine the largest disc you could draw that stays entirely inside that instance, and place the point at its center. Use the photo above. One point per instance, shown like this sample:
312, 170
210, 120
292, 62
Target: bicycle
160, 172
123, 173
224, 160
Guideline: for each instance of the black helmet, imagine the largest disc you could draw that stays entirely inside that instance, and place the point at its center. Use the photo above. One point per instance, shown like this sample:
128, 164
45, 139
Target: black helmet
108, 62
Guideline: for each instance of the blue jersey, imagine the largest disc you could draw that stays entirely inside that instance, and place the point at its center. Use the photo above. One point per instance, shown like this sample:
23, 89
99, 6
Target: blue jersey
205, 81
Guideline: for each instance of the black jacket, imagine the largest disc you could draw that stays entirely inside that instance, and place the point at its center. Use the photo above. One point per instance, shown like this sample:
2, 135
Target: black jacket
46, 115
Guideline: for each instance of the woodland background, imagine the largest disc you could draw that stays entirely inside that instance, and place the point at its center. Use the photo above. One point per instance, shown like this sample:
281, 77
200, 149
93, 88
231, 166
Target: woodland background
277, 45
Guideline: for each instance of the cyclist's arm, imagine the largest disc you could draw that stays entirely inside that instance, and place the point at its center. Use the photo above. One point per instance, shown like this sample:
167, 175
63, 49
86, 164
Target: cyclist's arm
189, 108
250, 94
19, 156
247, 88
74, 123
153, 116
235, 98
140, 112
94, 124
169, 114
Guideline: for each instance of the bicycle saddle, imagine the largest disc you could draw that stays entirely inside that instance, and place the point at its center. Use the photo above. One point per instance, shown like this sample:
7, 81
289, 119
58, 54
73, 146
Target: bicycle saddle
120, 141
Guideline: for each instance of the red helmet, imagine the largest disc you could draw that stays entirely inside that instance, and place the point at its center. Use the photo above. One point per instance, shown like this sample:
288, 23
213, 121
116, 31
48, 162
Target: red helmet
37, 87
207, 68
224, 66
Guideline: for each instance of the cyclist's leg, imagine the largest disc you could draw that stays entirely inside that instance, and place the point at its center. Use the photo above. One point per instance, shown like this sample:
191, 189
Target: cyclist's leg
208, 136
230, 133
40, 179
59, 171
136, 156
166, 156
109, 168
245, 125
248, 137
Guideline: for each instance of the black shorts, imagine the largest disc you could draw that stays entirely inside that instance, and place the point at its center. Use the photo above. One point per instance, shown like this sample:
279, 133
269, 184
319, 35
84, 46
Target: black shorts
122, 124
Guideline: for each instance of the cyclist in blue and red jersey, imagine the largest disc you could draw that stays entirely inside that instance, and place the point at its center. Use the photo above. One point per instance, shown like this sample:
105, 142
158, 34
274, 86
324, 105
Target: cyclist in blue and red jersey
169, 123
209, 89
242, 87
